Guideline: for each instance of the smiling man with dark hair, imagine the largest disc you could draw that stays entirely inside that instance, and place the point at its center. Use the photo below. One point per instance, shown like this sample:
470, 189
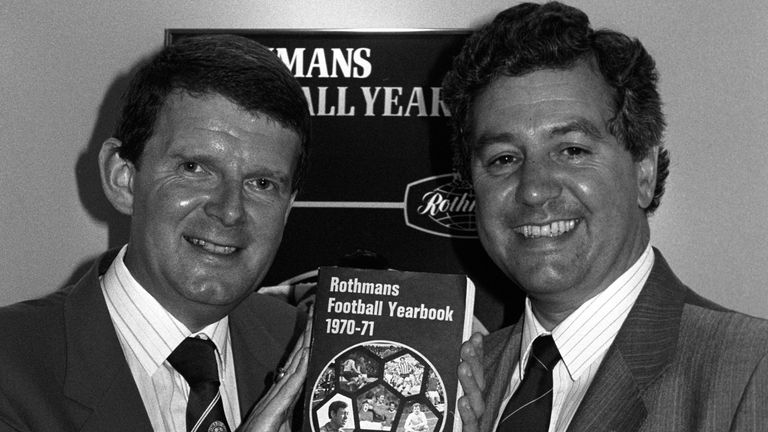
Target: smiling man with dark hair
559, 128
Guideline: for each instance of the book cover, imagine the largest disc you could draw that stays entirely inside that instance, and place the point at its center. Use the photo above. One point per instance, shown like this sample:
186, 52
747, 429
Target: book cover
385, 348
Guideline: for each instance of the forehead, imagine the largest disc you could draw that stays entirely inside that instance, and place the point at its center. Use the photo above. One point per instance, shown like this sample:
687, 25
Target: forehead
544, 96
211, 110
186, 121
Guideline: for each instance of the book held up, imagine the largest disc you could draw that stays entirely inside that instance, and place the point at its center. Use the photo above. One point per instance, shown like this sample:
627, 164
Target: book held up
385, 350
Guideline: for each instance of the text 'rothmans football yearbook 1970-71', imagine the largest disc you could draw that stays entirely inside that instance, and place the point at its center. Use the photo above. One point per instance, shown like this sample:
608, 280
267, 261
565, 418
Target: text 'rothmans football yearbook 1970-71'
386, 345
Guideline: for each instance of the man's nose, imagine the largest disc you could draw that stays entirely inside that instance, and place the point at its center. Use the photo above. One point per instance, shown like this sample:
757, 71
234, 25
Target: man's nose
226, 203
538, 182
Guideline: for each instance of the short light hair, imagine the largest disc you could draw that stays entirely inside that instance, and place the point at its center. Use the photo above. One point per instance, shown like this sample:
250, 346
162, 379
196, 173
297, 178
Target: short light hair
240, 69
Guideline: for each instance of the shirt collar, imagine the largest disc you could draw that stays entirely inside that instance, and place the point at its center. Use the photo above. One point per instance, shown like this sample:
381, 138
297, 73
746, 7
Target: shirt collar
587, 333
151, 331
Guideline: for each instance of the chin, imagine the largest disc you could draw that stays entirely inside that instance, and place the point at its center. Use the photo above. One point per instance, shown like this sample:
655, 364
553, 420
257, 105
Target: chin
216, 294
540, 289
542, 280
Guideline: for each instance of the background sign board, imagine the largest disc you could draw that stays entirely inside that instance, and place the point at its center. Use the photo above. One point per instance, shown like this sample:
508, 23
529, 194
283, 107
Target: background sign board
380, 175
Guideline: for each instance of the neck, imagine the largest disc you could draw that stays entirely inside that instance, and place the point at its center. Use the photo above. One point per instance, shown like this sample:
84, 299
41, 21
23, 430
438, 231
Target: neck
550, 315
196, 320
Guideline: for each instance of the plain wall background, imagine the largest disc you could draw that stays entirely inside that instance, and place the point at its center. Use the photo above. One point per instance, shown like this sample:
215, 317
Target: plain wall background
64, 65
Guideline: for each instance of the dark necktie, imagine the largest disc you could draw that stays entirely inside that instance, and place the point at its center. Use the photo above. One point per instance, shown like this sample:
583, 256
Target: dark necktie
195, 360
530, 407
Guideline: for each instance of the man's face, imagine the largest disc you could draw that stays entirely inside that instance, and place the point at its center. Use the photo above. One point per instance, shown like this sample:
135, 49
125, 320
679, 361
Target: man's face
210, 200
559, 200
339, 418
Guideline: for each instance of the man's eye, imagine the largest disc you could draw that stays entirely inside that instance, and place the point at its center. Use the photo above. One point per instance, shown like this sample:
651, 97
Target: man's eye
262, 184
504, 160
192, 167
574, 151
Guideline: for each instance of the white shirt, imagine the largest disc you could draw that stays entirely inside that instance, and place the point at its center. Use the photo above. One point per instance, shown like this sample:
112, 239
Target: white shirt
148, 334
583, 340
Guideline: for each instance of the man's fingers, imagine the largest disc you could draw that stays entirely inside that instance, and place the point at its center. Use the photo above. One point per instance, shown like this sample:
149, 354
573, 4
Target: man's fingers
294, 374
308, 328
472, 354
293, 360
296, 379
301, 342
471, 376
472, 392
469, 420
298, 373
301, 345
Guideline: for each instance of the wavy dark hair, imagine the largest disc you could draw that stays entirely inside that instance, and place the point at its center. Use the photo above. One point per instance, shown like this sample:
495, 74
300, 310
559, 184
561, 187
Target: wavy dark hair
530, 37
240, 69
335, 406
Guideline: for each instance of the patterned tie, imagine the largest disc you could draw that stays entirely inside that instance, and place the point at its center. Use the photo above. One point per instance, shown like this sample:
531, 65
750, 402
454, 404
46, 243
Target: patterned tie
530, 407
195, 360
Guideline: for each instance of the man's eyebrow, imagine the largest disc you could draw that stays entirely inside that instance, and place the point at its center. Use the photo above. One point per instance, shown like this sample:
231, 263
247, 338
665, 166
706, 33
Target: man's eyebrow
491, 138
279, 175
578, 125
184, 153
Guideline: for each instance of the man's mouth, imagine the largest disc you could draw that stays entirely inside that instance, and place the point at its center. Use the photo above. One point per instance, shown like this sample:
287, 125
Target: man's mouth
211, 247
553, 229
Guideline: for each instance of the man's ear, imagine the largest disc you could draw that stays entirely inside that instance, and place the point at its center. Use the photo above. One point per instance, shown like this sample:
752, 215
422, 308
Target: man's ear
116, 176
290, 206
646, 177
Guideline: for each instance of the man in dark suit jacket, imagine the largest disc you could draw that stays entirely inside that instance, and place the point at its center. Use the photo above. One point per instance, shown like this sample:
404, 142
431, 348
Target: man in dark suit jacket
206, 159
64, 369
559, 128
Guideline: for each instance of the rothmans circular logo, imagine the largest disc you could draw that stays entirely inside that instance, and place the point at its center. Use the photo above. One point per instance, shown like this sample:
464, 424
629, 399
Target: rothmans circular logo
442, 205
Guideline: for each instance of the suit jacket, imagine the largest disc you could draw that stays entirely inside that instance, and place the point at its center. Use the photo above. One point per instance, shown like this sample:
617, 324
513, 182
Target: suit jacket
62, 367
679, 363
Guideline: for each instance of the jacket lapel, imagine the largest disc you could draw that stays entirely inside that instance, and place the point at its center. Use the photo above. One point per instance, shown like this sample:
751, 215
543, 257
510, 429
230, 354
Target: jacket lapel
98, 380
641, 353
501, 352
613, 401
245, 356
254, 353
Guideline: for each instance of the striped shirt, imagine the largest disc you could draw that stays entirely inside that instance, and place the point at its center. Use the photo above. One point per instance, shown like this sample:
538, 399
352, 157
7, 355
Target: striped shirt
583, 340
148, 334
403, 366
